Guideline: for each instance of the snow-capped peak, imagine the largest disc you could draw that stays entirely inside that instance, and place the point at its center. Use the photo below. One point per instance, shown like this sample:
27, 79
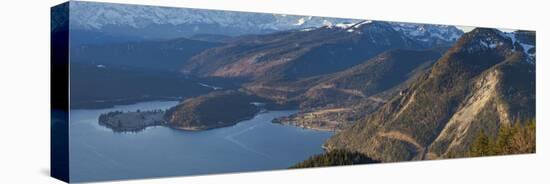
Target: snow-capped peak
347, 26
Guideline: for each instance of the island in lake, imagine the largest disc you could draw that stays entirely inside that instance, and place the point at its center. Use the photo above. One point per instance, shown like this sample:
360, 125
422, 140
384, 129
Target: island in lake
135, 121
214, 110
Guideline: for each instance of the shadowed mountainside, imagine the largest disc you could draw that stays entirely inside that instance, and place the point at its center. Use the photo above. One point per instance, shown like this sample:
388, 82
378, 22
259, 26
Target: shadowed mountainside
166, 55
300, 53
99, 86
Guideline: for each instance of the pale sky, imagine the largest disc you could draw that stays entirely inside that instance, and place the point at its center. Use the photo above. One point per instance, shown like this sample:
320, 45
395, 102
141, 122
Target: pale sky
469, 28
465, 28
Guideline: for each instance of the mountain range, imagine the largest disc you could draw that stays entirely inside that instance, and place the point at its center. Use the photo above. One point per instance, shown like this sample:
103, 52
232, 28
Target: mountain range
155, 22
108, 22
303, 53
392, 91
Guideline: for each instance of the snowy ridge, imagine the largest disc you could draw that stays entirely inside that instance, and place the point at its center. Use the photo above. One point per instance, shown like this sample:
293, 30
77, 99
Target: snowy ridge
151, 21
429, 32
95, 16
351, 27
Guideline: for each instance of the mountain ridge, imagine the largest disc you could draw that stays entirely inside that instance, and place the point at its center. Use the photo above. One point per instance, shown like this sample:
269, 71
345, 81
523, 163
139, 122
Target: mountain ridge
337, 100
465, 80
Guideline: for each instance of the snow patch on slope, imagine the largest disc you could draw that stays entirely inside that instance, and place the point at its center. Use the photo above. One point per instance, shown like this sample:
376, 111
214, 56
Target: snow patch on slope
525, 47
429, 32
301, 21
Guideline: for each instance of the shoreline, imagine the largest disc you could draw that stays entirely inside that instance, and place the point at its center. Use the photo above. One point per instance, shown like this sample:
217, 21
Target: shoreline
198, 129
297, 125
136, 121
137, 125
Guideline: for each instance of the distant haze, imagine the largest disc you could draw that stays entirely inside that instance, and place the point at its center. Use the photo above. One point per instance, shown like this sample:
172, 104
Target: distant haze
469, 28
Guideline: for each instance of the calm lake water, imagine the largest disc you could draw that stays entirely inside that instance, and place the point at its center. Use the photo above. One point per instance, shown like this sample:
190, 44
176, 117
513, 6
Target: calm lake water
97, 153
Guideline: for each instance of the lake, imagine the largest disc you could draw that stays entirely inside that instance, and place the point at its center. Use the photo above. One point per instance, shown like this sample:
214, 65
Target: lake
97, 153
